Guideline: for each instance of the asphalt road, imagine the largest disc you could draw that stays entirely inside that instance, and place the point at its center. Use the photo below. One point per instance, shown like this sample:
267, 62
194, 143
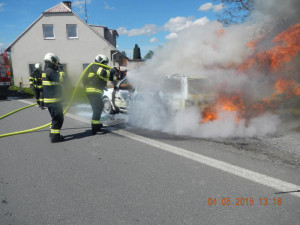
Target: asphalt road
135, 176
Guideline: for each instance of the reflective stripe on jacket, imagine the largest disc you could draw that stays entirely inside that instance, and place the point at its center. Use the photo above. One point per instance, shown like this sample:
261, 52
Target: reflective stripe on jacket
96, 79
52, 100
31, 80
93, 90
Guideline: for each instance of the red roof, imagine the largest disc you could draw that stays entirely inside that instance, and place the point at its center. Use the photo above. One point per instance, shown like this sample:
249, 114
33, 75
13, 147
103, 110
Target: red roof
61, 7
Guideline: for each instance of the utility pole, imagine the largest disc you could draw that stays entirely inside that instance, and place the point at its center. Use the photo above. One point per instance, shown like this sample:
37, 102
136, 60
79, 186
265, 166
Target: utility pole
86, 17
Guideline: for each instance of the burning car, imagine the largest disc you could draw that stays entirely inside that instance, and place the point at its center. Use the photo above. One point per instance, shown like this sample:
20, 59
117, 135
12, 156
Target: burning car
175, 92
179, 92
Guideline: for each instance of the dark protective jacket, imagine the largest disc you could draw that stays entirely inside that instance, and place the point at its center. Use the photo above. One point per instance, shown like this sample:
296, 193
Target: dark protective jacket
96, 79
36, 79
52, 85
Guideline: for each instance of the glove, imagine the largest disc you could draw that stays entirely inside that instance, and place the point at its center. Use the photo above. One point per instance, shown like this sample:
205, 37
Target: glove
116, 73
122, 74
115, 70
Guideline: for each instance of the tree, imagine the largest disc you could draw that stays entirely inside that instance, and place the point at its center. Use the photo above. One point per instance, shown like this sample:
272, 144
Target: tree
137, 52
149, 55
235, 11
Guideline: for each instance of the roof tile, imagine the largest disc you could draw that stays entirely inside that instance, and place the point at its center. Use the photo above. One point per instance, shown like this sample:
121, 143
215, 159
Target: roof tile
61, 7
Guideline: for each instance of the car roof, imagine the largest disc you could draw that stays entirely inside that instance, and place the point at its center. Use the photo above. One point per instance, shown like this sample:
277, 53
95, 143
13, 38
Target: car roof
179, 76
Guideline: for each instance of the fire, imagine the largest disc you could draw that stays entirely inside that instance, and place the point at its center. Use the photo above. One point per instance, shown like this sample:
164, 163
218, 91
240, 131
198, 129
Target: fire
253, 43
234, 103
225, 103
209, 114
288, 47
271, 61
287, 87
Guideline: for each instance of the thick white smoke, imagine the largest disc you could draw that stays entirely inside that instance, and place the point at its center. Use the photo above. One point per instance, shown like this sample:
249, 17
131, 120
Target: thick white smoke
214, 51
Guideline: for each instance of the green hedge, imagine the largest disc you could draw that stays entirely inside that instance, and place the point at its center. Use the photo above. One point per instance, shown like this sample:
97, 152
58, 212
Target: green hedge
26, 90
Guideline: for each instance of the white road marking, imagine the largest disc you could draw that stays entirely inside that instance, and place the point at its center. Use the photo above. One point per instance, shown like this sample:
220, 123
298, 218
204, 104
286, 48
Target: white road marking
271, 182
277, 184
25, 101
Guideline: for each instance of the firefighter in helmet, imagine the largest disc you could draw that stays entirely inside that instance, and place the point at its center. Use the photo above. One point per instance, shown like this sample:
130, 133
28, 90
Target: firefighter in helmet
52, 90
36, 84
95, 82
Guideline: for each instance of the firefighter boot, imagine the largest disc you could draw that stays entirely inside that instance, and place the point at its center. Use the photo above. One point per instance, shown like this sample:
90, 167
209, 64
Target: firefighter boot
42, 107
99, 127
56, 138
94, 129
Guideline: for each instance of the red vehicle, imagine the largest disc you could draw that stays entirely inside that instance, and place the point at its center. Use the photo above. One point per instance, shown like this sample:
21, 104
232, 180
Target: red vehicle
5, 75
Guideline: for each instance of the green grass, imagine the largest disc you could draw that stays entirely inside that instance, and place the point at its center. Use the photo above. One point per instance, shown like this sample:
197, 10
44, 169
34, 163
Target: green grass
26, 90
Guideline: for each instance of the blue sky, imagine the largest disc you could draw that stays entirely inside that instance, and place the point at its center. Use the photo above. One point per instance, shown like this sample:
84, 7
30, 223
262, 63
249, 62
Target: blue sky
148, 23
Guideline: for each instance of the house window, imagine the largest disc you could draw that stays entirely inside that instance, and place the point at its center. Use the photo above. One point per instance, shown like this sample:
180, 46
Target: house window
31, 68
72, 31
62, 67
48, 31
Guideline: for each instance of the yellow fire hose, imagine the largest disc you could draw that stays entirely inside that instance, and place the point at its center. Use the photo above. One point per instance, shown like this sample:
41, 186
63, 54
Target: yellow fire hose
66, 109
17, 110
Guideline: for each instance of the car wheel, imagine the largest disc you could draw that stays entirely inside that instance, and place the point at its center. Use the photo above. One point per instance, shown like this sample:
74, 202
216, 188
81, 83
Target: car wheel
107, 108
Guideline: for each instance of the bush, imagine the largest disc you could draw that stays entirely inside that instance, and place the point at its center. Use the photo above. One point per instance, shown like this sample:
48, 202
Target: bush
26, 90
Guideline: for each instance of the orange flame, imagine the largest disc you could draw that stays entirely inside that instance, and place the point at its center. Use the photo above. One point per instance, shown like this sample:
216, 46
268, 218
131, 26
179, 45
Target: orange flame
234, 103
276, 56
225, 103
253, 43
287, 87
288, 46
209, 114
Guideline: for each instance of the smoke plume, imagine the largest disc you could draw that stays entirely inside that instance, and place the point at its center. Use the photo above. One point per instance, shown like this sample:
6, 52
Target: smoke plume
239, 60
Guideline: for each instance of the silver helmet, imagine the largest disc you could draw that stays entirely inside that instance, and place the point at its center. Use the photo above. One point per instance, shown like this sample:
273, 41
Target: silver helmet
51, 58
101, 59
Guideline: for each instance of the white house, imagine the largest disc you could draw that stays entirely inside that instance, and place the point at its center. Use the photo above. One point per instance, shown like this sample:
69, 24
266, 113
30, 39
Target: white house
60, 31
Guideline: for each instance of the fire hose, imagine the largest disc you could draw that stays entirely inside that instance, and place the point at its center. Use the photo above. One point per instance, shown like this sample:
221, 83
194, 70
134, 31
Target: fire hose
65, 111
17, 110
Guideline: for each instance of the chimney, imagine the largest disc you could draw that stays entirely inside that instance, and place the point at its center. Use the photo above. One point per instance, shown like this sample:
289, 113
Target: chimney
68, 4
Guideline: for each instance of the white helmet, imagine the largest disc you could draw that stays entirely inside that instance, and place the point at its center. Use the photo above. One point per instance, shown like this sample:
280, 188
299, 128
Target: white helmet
51, 58
38, 66
101, 59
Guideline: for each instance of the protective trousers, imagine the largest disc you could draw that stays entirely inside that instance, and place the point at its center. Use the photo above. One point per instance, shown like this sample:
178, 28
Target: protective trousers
97, 107
39, 96
57, 115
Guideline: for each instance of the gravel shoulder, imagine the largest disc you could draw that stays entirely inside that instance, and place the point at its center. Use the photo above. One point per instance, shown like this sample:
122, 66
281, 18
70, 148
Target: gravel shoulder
282, 149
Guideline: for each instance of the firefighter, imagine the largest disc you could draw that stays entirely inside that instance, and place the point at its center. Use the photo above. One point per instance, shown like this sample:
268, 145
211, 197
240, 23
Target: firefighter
36, 84
95, 82
52, 90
